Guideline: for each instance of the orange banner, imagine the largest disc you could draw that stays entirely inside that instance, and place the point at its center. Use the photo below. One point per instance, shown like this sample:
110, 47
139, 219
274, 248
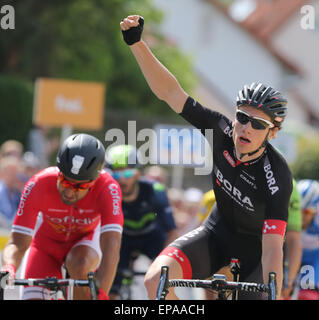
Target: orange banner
60, 102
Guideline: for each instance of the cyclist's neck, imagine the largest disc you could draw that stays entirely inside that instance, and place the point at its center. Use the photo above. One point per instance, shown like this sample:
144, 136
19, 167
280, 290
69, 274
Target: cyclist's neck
247, 158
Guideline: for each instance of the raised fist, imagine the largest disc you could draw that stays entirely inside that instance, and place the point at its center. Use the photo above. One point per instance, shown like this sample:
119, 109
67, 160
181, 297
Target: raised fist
132, 28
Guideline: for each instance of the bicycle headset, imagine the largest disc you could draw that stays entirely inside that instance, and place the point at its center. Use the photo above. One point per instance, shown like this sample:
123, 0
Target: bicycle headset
81, 157
266, 99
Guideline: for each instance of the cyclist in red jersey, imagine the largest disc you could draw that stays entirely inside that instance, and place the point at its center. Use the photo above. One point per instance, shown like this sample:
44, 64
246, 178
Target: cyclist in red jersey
251, 180
72, 215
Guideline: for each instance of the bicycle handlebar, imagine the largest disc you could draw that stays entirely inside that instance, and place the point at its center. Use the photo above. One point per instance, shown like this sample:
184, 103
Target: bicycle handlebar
52, 283
218, 283
163, 284
92, 286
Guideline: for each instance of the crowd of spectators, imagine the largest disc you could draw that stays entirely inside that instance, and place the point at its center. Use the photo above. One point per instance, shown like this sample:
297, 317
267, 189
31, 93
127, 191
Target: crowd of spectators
17, 165
185, 202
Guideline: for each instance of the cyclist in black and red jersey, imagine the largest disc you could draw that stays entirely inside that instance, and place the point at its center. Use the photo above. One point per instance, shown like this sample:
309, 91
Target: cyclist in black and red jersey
251, 180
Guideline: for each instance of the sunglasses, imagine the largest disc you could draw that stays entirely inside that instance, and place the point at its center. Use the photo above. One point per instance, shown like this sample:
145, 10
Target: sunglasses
256, 122
65, 183
126, 174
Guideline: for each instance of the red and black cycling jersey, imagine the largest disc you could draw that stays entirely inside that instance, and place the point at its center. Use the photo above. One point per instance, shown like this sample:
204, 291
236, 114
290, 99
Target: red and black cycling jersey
252, 197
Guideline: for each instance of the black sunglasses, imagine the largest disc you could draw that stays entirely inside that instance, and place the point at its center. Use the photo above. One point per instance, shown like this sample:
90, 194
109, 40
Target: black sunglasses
256, 122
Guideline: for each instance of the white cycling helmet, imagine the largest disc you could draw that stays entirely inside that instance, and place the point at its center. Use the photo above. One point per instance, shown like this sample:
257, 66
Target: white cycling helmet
309, 192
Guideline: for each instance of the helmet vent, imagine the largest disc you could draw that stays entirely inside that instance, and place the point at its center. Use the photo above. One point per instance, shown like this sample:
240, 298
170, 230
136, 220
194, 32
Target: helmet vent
275, 106
67, 154
91, 162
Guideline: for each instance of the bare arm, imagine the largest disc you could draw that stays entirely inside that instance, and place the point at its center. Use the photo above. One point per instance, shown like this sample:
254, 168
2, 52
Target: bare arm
15, 249
163, 84
110, 245
272, 258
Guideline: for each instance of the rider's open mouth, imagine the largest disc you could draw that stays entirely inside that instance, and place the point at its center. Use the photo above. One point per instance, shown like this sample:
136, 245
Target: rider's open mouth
244, 140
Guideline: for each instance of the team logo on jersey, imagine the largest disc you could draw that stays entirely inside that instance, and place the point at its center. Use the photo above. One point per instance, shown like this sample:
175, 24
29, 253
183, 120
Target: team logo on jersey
269, 228
116, 199
273, 226
181, 258
228, 131
175, 253
27, 190
249, 179
271, 181
225, 127
232, 191
230, 160
77, 162
190, 234
70, 224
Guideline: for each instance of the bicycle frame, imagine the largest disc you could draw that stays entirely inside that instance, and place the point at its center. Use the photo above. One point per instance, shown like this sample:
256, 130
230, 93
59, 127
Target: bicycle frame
218, 283
54, 284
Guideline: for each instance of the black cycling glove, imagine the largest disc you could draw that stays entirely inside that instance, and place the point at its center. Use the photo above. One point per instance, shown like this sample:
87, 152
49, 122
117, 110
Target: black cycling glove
134, 34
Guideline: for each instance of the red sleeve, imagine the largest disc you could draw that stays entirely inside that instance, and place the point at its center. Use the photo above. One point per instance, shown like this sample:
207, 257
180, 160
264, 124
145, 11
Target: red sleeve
110, 204
272, 226
28, 210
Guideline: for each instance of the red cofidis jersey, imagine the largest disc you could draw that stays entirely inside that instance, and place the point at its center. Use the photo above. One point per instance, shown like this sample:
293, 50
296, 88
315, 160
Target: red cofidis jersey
42, 212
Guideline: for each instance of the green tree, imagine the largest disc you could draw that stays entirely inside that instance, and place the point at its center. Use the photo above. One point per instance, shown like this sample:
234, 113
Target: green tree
16, 108
307, 164
80, 39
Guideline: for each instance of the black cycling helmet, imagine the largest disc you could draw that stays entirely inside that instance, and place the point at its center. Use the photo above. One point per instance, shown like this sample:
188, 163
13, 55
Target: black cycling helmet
264, 98
81, 157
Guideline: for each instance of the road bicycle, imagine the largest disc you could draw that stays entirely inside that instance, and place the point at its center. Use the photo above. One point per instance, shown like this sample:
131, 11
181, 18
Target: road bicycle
60, 289
218, 283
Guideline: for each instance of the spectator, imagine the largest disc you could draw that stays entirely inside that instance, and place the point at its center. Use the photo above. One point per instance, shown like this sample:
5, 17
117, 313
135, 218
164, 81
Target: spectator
40, 145
206, 205
11, 148
156, 173
31, 163
191, 206
10, 168
176, 198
